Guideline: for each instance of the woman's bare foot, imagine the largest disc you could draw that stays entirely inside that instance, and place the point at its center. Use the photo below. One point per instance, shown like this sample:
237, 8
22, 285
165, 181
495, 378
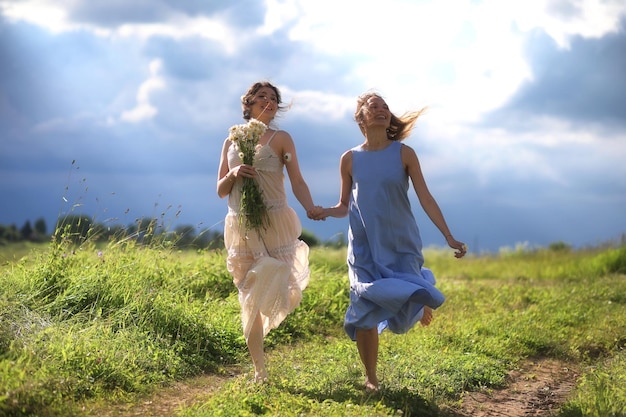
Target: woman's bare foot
427, 317
370, 386
260, 377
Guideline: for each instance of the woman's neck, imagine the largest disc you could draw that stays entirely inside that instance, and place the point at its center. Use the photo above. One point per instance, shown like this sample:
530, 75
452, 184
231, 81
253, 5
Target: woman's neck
375, 139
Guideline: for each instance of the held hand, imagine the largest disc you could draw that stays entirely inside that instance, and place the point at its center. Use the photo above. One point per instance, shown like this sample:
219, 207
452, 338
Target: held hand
459, 246
324, 213
316, 213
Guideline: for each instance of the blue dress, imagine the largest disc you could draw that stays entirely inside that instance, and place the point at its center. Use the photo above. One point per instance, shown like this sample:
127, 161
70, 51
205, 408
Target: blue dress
389, 286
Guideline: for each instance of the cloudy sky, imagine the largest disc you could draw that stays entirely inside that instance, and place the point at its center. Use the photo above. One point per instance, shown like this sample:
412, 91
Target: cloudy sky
118, 109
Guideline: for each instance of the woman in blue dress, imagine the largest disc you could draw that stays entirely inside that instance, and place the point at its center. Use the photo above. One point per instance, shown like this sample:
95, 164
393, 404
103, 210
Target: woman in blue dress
389, 287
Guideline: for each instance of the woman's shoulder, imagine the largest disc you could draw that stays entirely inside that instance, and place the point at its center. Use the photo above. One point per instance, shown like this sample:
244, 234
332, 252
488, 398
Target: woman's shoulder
226, 144
405, 149
281, 139
347, 155
282, 134
408, 155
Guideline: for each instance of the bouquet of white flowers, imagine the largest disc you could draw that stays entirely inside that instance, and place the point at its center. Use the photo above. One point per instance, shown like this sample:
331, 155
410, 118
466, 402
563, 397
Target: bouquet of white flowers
253, 212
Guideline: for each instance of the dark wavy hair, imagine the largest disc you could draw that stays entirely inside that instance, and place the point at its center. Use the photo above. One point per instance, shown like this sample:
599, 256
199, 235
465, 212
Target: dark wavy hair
247, 100
400, 126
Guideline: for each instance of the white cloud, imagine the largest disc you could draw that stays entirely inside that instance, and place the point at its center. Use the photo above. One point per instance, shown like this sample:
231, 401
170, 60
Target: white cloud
464, 56
278, 14
38, 12
180, 26
317, 105
436, 53
419, 53
552, 154
54, 17
144, 109
562, 20
46, 14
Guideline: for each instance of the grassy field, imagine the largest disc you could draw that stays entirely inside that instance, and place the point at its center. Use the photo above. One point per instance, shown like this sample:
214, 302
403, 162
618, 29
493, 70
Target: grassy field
82, 327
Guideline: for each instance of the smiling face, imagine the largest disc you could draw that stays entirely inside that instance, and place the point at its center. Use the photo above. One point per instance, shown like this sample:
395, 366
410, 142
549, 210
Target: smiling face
376, 112
372, 111
264, 104
261, 102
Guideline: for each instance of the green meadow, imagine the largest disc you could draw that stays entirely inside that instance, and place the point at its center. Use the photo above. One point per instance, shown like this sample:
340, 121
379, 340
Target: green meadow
86, 327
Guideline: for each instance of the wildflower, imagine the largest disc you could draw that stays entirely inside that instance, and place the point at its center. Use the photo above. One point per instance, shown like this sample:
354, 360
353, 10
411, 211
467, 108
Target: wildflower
253, 211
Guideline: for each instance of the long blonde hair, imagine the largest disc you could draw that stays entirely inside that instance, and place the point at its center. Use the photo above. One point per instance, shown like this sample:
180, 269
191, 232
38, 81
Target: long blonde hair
400, 126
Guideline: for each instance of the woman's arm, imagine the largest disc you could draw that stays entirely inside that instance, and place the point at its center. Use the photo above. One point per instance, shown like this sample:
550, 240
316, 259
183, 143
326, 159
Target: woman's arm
345, 170
226, 177
299, 186
426, 199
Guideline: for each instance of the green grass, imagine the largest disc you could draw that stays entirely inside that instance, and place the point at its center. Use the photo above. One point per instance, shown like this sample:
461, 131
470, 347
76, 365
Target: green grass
13, 252
110, 324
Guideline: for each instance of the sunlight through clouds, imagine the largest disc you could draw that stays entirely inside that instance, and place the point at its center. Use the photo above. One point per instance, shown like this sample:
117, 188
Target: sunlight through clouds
39, 12
50, 15
413, 41
144, 109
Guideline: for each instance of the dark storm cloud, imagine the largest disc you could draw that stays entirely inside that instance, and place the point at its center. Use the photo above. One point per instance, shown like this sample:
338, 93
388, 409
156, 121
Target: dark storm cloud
56, 94
196, 58
47, 77
113, 13
24, 86
188, 59
585, 83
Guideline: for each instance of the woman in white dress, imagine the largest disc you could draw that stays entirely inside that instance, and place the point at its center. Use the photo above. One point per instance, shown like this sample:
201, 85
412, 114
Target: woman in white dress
269, 266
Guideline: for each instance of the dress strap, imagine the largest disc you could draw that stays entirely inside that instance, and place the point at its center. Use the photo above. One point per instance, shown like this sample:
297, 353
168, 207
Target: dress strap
271, 137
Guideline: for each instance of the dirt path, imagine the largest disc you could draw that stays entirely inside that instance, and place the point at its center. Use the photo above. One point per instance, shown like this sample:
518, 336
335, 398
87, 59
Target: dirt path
167, 401
537, 389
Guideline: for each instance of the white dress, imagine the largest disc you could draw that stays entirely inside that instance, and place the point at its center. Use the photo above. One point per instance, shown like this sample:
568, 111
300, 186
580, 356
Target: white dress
269, 270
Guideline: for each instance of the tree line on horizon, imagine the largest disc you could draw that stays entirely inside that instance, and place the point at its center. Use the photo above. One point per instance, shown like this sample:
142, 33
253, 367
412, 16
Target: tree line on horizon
30, 232
81, 228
